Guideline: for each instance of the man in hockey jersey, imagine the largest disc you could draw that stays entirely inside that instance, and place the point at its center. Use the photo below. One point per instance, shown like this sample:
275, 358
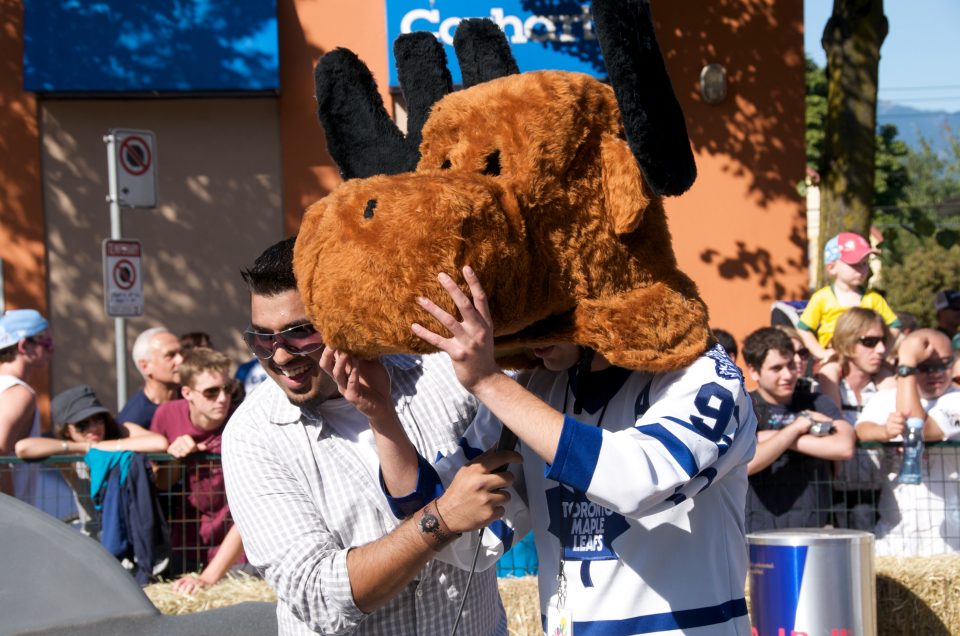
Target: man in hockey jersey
634, 482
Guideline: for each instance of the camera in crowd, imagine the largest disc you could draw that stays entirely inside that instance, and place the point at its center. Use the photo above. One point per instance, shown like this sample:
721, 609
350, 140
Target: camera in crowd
818, 428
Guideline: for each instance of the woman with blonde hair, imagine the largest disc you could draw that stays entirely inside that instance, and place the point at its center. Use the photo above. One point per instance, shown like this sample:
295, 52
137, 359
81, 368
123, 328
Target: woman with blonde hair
861, 341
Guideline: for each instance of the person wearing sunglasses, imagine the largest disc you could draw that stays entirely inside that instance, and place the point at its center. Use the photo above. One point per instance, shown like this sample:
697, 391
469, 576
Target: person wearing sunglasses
25, 350
802, 361
918, 519
861, 340
200, 515
82, 423
302, 476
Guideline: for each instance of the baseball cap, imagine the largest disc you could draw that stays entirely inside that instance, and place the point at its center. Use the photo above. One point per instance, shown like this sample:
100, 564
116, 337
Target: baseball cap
18, 324
849, 247
947, 299
74, 405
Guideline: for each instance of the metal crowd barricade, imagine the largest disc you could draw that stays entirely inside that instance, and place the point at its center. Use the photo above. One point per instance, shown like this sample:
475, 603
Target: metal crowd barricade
63, 490
864, 494
864, 499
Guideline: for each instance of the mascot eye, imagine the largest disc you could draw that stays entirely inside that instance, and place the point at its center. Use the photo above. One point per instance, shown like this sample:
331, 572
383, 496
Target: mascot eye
492, 168
445, 165
371, 206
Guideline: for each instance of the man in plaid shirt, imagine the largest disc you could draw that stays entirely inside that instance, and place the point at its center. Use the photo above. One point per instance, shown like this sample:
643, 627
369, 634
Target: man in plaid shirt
302, 480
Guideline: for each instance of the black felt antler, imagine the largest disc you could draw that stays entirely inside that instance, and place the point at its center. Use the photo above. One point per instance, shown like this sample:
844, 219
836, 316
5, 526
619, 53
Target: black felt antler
361, 137
652, 118
424, 78
482, 51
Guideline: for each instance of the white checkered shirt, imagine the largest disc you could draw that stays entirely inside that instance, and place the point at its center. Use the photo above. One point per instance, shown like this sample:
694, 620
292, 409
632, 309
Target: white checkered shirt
302, 497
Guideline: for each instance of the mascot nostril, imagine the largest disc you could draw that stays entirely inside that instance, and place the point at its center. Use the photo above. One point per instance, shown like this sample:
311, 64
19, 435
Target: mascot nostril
570, 241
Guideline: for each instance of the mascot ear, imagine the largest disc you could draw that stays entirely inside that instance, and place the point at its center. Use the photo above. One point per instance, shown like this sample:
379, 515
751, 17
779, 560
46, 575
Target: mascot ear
622, 185
651, 114
482, 51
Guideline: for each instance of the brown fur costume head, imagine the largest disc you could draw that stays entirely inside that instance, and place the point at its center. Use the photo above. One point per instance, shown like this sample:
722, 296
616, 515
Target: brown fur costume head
532, 179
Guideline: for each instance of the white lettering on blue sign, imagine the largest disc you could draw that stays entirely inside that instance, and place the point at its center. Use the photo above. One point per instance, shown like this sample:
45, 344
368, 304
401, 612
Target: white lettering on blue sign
536, 28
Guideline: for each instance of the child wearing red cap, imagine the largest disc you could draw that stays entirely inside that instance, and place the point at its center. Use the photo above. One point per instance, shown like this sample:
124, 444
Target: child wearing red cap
845, 257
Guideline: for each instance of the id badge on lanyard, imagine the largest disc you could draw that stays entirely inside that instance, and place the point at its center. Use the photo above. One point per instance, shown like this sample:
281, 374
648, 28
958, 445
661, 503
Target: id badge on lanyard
559, 618
559, 622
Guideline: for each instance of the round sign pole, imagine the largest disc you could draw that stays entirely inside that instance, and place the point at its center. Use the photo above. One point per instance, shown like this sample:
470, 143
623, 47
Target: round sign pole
116, 232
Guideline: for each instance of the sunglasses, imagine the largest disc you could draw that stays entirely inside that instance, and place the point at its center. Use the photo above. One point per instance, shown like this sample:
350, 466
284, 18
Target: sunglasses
297, 341
46, 343
870, 342
935, 367
213, 392
803, 352
90, 422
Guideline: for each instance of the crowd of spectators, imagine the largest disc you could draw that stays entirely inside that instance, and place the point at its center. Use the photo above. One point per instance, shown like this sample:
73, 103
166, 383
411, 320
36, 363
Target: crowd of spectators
852, 370
846, 368
181, 409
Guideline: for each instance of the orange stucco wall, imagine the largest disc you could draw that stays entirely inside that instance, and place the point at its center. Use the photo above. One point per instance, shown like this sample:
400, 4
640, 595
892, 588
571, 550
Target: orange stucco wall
739, 232
22, 226
308, 29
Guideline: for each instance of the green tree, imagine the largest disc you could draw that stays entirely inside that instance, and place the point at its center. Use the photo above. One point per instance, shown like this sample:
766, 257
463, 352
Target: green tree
912, 284
927, 210
816, 111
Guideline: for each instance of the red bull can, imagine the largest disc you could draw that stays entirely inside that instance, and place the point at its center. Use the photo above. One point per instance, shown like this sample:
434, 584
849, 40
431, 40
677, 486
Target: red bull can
812, 582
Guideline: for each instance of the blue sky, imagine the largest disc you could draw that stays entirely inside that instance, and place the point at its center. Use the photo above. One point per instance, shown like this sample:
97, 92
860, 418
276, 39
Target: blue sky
919, 60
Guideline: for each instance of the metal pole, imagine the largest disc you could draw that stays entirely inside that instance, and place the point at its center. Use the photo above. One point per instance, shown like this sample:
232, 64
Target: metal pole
116, 232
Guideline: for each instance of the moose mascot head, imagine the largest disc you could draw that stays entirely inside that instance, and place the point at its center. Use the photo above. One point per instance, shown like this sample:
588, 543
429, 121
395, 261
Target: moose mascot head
549, 184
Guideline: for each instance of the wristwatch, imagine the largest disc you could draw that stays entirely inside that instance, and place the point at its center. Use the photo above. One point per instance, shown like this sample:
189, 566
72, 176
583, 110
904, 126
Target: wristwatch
431, 528
903, 371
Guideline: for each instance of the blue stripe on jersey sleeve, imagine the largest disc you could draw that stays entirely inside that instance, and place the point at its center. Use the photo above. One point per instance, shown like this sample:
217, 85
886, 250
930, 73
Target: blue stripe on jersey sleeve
672, 443
428, 488
577, 454
503, 532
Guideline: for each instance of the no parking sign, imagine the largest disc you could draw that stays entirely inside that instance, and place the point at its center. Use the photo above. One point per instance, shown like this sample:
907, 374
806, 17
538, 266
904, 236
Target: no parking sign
133, 159
122, 282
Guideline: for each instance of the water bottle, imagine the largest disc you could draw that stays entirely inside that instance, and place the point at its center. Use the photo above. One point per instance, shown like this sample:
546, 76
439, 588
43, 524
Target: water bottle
912, 452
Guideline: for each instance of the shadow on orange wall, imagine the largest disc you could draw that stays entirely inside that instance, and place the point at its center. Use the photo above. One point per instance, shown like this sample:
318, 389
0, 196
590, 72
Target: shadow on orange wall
756, 136
21, 213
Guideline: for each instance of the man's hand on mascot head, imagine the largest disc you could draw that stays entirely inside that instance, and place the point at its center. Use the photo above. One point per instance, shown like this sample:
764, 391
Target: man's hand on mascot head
363, 383
470, 345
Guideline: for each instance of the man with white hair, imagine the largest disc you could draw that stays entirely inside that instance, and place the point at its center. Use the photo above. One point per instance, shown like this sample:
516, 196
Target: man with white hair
156, 352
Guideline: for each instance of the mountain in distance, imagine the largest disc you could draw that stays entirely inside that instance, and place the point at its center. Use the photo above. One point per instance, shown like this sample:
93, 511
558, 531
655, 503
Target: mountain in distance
912, 123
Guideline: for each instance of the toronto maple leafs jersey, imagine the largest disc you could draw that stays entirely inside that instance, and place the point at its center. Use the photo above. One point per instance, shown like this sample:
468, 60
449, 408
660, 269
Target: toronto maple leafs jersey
642, 507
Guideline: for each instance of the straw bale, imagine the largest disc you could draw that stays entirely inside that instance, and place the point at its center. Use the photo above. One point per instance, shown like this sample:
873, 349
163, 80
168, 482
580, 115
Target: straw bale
232, 589
519, 599
914, 596
918, 595
522, 604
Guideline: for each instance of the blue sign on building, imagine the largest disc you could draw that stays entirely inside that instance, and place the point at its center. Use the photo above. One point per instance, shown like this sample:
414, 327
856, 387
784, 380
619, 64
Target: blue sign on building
543, 34
119, 46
